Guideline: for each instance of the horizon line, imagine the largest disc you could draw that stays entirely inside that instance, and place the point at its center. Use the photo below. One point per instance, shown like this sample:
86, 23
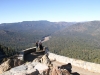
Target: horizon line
49, 21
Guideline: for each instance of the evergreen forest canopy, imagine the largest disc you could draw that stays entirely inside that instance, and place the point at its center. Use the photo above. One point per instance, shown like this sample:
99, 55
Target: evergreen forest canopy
80, 41
23, 35
5, 52
75, 40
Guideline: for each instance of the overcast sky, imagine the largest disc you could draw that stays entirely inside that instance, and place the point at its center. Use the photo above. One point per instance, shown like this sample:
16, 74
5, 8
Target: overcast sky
51, 10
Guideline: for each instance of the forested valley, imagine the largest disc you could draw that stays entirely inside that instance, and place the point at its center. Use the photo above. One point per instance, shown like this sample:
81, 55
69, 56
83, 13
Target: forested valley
24, 34
79, 41
76, 40
15, 37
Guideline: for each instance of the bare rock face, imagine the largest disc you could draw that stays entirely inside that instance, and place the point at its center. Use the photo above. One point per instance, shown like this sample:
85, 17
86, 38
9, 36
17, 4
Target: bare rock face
58, 71
32, 72
46, 72
36, 60
5, 66
66, 66
10, 63
45, 60
7, 73
37, 69
17, 62
19, 69
41, 67
38, 66
65, 72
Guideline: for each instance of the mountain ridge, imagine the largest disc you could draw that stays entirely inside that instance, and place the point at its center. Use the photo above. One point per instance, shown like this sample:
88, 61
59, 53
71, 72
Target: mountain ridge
27, 32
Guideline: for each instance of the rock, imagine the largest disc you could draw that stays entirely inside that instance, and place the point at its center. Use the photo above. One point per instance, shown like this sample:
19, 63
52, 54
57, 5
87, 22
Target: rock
15, 62
45, 60
7, 73
38, 69
58, 71
5, 66
36, 60
10, 63
66, 66
30, 66
35, 63
41, 67
65, 72
20, 62
46, 72
27, 63
19, 70
32, 72
20, 73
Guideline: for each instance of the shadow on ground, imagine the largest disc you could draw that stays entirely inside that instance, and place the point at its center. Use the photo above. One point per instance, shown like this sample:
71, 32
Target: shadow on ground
69, 68
75, 73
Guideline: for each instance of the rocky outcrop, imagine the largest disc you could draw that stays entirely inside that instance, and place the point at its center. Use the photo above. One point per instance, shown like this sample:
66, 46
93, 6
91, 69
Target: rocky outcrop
41, 67
10, 63
66, 67
38, 68
36, 60
25, 69
45, 60
5, 66
58, 71
17, 62
55, 71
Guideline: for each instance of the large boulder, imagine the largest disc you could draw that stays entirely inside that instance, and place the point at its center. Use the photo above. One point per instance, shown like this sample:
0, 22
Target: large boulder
19, 70
36, 60
5, 66
32, 72
7, 73
41, 67
45, 60
65, 72
67, 67
46, 72
17, 62
58, 71
10, 63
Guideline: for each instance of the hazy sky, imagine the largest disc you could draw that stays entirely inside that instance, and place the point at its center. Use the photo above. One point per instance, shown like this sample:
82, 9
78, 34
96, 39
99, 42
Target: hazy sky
51, 10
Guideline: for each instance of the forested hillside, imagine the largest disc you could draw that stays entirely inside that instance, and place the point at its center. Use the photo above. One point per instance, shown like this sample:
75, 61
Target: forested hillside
22, 35
75, 40
6, 52
80, 41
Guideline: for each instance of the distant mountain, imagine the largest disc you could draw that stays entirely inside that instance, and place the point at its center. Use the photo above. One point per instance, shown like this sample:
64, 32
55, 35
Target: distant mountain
24, 34
34, 26
81, 41
89, 27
